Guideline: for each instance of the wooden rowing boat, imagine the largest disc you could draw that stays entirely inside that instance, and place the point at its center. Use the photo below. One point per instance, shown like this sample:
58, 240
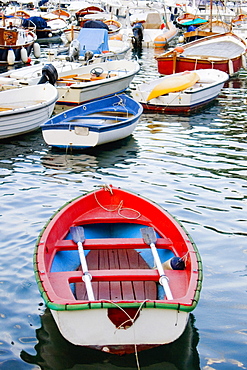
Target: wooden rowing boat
117, 271
225, 52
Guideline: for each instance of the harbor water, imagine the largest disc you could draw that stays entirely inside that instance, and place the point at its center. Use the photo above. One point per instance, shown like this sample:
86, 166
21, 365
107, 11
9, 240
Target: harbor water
196, 168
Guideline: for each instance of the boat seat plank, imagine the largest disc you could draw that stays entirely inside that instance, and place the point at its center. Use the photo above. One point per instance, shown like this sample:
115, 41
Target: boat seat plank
90, 77
140, 288
68, 77
110, 243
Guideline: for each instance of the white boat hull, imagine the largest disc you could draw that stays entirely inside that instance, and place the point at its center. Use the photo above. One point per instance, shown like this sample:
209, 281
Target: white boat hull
204, 91
21, 113
92, 327
73, 91
77, 138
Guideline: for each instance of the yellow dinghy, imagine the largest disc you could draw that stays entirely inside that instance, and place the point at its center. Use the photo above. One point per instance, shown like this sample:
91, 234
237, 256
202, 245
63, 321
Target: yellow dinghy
174, 84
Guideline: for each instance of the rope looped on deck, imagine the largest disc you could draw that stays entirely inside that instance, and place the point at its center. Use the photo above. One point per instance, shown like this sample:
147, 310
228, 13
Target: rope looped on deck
119, 208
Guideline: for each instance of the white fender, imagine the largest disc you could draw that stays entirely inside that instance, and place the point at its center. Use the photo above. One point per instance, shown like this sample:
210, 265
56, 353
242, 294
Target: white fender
181, 39
244, 61
230, 66
36, 50
11, 57
24, 56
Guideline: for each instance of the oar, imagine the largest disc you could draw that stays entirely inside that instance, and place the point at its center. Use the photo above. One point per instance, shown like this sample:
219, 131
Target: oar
77, 233
149, 237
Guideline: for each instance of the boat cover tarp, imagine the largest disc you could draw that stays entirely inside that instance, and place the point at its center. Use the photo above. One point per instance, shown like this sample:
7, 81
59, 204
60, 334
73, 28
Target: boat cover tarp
93, 39
195, 21
39, 22
95, 24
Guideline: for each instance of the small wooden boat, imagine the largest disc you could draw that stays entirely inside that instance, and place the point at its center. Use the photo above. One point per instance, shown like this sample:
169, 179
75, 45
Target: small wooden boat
117, 271
113, 25
94, 123
183, 92
24, 110
225, 52
16, 42
207, 29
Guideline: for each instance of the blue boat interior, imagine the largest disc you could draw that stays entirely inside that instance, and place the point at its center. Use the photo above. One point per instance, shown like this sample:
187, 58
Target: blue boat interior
69, 260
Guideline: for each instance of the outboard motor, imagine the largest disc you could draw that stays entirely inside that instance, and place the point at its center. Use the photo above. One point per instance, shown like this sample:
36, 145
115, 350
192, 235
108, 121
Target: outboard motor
137, 35
88, 56
49, 74
74, 51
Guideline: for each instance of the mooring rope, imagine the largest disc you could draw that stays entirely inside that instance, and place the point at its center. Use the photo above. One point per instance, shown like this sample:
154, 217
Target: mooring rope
132, 320
119, 207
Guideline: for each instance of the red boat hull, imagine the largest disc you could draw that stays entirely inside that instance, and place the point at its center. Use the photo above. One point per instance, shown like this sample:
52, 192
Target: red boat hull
127, 296
170, 65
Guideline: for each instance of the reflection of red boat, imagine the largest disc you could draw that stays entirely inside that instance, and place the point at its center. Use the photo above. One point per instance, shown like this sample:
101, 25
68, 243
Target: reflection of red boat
52, 351
116, 303
225, 52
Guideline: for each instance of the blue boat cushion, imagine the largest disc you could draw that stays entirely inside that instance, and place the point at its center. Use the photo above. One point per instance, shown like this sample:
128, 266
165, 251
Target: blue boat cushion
93, 39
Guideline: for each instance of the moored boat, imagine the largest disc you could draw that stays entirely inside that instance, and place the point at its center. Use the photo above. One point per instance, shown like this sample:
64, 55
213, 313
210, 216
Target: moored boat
183, 92
16, 42
76, 84
23, 111
94, 123
117, 271
225, 52
96, 81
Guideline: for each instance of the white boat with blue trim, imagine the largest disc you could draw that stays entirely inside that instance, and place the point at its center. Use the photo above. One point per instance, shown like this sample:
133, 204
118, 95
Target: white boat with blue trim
94, 123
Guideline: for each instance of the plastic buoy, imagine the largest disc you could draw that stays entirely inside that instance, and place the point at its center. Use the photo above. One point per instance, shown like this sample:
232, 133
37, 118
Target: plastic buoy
230, 66
24, 56
244, 61
160, 42
174, 263
116, 37
11, 57
181, 39
36, 50
179, 49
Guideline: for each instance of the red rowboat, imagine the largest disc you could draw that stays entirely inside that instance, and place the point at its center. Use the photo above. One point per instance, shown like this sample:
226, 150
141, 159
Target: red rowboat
118, 273
225, 52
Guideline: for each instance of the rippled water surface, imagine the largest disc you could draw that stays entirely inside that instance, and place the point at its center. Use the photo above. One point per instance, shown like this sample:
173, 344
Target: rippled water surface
196, 168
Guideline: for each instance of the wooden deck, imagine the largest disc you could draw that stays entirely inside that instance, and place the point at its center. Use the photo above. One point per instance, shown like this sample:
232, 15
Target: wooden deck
117, 290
